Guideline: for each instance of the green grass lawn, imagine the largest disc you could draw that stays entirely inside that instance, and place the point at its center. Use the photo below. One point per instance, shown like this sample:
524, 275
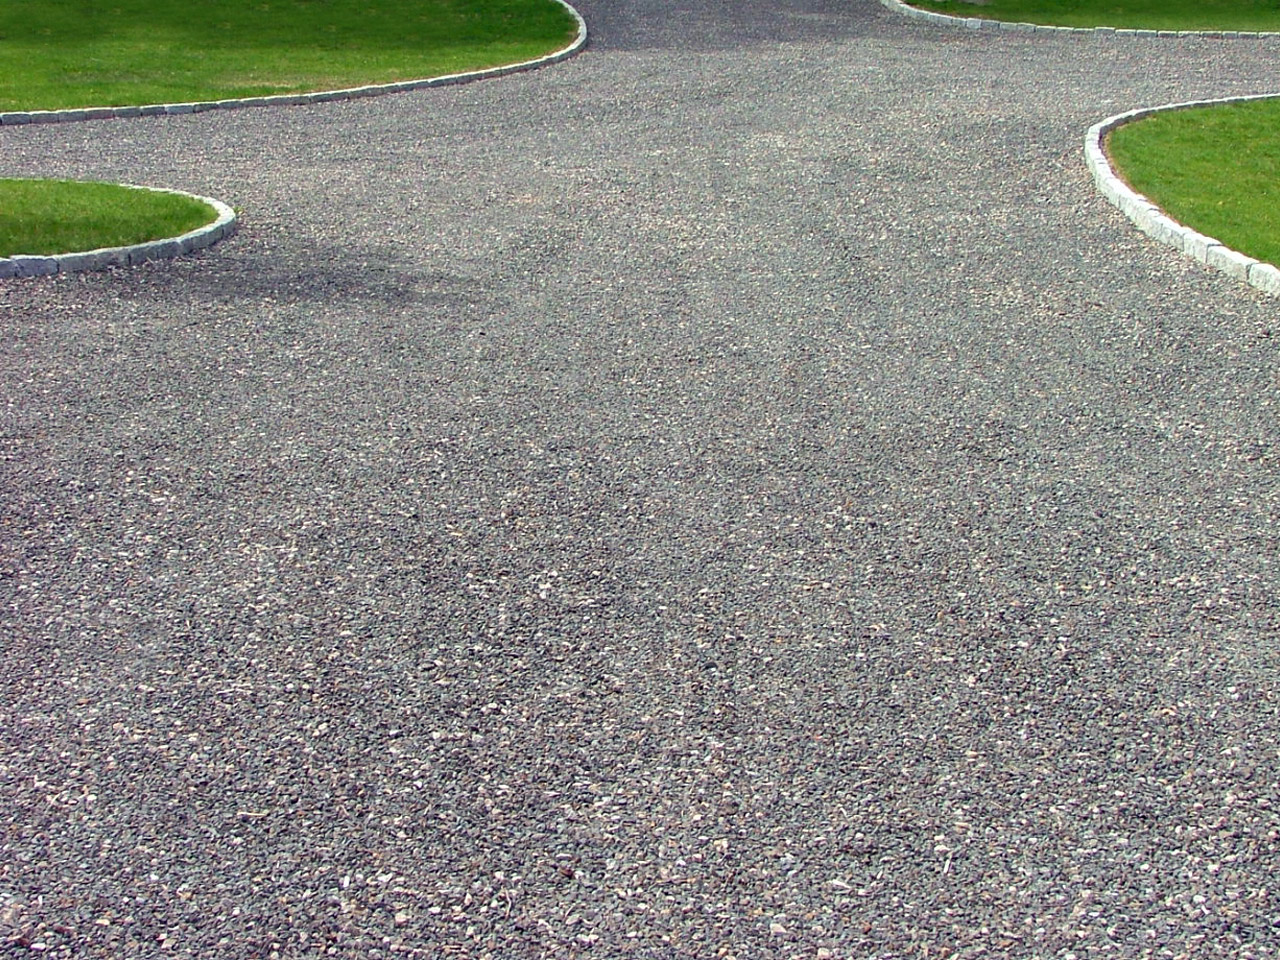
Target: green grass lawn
78, 53
63, 216
1215, 169
1254, 15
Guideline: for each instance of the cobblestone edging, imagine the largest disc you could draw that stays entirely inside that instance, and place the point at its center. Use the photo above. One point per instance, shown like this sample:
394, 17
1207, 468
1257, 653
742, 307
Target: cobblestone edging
1154, 222
225, 224
21, 265
297, 99
978, 23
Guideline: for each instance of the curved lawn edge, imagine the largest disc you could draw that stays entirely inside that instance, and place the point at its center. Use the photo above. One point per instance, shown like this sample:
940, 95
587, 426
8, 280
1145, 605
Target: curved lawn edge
1158, 225
223, 225
19, 118
979, 23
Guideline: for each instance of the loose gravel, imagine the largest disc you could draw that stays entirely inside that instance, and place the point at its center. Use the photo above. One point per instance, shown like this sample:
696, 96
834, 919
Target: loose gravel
739, 493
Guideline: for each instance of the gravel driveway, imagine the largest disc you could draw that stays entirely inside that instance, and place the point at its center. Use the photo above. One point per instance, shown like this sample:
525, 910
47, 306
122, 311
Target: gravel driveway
739, 493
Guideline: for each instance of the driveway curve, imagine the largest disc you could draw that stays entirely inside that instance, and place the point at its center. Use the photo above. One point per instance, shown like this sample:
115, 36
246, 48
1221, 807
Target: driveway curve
740, 492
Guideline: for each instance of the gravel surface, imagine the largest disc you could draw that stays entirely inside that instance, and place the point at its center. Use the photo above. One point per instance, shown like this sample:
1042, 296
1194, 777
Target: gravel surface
739, 493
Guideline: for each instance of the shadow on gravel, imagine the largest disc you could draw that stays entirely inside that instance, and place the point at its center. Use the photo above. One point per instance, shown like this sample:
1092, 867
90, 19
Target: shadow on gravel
710, 25
328, 275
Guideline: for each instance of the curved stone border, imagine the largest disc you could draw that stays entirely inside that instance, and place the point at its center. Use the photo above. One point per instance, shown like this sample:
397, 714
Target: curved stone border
1153, 221
326, 96
978, 23
22, 265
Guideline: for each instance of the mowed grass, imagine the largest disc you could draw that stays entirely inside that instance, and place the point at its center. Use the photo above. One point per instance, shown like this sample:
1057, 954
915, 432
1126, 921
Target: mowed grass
1215, 169
65, 216
58, 54
1251, 15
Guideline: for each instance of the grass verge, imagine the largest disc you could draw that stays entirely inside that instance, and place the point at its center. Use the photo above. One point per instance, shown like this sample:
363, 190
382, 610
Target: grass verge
45, 217
1251, 15
57, 54
1215, 169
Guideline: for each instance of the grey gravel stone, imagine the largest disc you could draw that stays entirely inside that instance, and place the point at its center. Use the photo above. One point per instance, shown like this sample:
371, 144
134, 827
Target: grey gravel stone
156, 250
91, 260
1164, 230
1197, 245
1266, 277
1231, 262
210, 235
740, 492
33, 266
